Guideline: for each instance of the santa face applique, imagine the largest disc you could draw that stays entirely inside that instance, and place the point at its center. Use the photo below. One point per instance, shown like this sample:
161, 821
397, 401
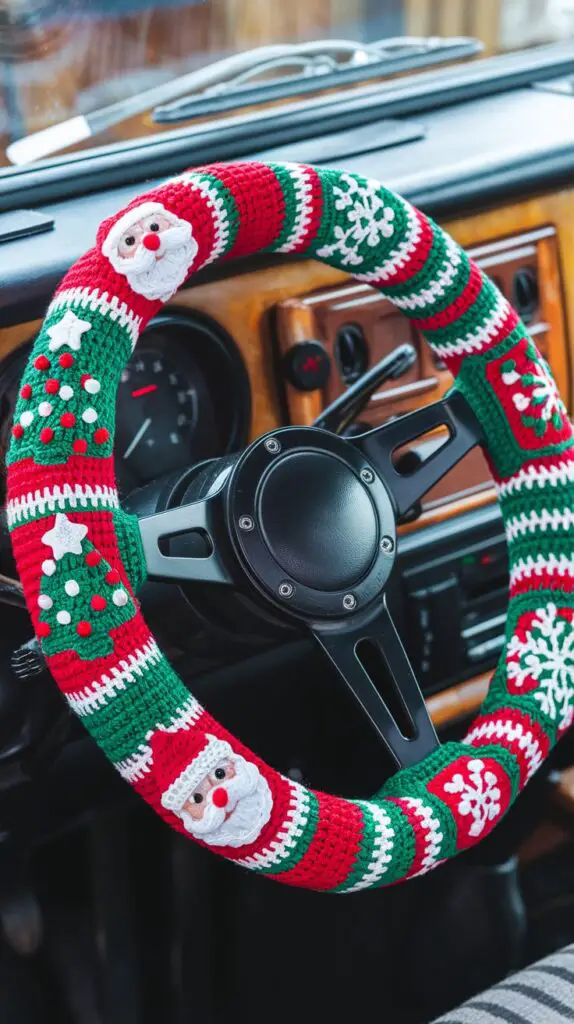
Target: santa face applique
153, 248
220, 797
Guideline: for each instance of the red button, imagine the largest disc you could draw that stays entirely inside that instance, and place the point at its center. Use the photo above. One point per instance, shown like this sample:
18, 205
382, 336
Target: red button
151, 242
220, 797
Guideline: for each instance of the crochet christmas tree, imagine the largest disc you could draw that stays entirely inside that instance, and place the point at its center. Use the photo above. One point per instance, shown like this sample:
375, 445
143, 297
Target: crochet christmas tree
81, 597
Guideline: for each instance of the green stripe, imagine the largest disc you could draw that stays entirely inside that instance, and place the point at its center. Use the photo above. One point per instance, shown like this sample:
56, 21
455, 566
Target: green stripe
302, 842
437, 261
151, 700
476, 316
285, 179
401, 852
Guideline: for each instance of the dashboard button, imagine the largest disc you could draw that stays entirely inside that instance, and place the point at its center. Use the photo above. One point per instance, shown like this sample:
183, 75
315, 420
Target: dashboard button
307, 365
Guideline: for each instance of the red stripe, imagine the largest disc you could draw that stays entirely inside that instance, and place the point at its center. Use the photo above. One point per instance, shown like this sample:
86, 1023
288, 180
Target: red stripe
421, 834
93, 270
334, 848
527, 584
415, 261
314, 212
260, 205
459, 307
27, 476
518, 718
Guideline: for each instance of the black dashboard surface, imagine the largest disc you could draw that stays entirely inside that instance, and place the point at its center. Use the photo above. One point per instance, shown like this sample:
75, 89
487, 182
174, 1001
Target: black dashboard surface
472, 153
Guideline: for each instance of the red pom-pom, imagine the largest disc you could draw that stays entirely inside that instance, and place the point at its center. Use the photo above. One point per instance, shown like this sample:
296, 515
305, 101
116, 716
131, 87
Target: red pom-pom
84, 378
17, 431
52, 386
43, 629
26, 391
83, 628
80, 446
42, 363
101, 435
93, 558
66, 360
98, 603
67, 419
46, 435
113, 577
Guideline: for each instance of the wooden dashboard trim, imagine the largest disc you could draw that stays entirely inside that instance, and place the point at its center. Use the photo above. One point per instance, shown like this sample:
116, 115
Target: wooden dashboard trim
449, 706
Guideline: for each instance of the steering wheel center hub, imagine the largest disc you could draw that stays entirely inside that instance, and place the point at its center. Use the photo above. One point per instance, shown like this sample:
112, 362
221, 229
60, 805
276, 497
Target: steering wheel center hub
318, 520
320, 523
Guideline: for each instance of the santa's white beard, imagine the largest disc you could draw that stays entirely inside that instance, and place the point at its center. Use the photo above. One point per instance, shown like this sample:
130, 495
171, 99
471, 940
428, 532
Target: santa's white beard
249, 800
157, 275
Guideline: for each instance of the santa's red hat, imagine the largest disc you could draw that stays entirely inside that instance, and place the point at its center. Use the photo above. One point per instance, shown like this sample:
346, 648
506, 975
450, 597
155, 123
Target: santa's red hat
182, 760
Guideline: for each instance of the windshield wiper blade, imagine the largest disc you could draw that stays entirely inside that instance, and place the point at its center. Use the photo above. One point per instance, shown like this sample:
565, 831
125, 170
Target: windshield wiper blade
346, 57
392, 57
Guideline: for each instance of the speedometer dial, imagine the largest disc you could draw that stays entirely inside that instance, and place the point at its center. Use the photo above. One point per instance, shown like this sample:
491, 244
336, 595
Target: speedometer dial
165, 414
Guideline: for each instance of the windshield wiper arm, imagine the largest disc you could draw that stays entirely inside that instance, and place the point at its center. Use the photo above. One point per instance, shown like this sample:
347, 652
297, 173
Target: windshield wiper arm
329, 58
390, 57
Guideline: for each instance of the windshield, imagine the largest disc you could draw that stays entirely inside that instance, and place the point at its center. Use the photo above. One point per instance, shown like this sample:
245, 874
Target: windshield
73, 59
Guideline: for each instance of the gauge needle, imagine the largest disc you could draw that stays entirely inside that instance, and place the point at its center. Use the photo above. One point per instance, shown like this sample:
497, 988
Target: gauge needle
136, 440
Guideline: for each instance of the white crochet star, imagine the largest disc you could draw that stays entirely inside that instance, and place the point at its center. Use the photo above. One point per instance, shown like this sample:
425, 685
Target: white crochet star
65, 537
68, 331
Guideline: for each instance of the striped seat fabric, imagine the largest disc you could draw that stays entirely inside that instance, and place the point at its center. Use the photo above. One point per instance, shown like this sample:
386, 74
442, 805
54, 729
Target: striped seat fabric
541, 994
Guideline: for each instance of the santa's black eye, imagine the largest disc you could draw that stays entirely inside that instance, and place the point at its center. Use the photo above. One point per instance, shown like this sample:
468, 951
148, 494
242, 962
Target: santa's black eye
130, 240
154, 226
219, 773
197, 798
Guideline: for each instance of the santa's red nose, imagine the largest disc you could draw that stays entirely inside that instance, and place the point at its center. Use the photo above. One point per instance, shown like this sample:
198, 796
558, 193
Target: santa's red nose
219, 797
151, 242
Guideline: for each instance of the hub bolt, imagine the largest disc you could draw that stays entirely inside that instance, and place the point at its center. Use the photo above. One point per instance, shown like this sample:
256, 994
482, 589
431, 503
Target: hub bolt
387, 545
286, 590
349, 602
246, 523
367, 476
272, 445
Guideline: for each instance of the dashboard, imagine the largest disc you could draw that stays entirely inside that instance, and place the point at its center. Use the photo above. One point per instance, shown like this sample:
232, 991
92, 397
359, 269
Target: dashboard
261, 343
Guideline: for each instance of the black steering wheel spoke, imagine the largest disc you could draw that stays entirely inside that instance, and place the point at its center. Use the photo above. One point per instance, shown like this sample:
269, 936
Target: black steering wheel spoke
407, 486
373, 663
180, 544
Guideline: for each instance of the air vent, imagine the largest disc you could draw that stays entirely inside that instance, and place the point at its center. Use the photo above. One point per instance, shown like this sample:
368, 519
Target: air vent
351, 352
525, 293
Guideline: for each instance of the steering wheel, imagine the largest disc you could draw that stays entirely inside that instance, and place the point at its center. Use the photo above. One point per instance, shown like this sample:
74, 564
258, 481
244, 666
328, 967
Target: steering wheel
303, 522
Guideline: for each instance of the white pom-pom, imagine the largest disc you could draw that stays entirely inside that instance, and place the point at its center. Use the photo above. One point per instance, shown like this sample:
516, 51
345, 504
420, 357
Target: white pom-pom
64, 618
72, 588
26, 418
66, 392
49, 567
92, 385
44, 408
45, 602
120, 598
89, 415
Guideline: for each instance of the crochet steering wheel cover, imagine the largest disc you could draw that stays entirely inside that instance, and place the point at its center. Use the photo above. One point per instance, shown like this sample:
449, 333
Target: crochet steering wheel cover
80, 562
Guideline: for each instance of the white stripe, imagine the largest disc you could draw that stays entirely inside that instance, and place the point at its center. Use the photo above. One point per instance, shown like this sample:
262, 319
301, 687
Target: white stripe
563, 473
433, 836
98, 693
51, 499
300, 178
92, 298
549, 565
139, 764
480, 338
286, 839
214, 201
530, 522
382, 852
436, 290
512, 732
403, 253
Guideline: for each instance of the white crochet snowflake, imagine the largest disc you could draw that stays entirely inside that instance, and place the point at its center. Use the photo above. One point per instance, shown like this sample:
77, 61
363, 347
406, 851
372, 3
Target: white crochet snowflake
546, 654
480, 795
368, 220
